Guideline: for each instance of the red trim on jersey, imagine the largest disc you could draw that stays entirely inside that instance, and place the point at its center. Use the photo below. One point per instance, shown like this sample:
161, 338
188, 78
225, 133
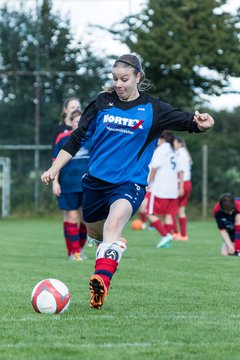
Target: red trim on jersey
63, 135
217, 207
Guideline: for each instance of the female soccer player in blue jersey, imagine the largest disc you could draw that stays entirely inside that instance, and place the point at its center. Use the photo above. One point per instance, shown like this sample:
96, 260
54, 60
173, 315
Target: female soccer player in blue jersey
68, 189
125, 124
70, 104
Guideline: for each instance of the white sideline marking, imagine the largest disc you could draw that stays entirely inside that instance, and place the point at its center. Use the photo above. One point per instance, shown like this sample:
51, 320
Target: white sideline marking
52, 317
78, 346
61, 317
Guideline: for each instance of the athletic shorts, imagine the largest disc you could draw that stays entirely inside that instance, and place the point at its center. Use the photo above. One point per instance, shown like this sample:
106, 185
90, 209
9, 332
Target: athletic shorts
99, 195
70, 201
159, 206
183, 200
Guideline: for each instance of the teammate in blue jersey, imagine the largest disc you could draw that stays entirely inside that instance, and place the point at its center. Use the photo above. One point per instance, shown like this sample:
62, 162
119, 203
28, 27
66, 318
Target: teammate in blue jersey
125, 124
70, 104
68, 189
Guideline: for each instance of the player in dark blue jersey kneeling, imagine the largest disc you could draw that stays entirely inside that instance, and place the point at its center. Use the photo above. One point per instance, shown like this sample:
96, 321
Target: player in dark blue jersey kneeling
125, 124
227, 215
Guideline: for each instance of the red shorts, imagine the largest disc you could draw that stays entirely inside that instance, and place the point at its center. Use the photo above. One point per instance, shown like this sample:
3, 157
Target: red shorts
159, 206
183, 200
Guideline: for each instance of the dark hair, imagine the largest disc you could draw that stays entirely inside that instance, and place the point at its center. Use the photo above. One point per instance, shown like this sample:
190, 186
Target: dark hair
227, 203
180, 140
131, 60
65, 105
168, 136
75, 113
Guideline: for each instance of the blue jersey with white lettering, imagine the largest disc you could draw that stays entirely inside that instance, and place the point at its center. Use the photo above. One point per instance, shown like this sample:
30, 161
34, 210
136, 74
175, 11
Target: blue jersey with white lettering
71, 174
124, 135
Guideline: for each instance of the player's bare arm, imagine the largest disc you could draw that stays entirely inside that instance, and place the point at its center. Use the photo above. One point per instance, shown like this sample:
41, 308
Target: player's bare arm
62, 159
227, 241
152, 175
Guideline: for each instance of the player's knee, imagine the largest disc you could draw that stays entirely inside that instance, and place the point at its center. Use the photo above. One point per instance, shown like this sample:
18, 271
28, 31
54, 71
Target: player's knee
111, 226
72, 217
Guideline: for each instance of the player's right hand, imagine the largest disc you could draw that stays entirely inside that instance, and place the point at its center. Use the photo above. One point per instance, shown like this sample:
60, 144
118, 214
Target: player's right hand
48, 176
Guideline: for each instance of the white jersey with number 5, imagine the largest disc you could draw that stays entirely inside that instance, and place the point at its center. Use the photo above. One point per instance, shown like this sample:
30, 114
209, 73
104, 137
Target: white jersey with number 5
165, 183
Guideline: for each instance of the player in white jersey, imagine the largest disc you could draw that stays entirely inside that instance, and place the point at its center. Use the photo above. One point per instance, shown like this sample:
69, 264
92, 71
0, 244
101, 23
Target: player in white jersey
163, 195
185, 163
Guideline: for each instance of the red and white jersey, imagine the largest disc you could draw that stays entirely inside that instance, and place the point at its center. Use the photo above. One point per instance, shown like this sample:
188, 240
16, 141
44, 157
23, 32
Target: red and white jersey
165, 182
184, 163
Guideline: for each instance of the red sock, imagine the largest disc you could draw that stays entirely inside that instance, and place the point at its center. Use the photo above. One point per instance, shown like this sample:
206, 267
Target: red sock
175, 228
169, 228
183, 226
159, 227
82, 235
65, 224
105, 268
143, 217
237, 238
73, 237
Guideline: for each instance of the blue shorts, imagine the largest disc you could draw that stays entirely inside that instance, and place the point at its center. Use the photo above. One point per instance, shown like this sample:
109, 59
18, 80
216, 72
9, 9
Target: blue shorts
70, 201
98, 196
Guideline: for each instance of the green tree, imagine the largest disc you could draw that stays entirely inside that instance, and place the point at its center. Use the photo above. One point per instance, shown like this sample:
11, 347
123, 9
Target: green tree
188, 47
66, 68
223, 156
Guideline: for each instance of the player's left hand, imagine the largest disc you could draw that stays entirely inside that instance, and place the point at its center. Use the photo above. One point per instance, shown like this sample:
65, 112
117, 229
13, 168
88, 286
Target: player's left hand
204, 121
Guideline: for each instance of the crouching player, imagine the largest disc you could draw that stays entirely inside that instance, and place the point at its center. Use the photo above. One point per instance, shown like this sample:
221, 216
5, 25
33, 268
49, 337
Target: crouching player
227, 214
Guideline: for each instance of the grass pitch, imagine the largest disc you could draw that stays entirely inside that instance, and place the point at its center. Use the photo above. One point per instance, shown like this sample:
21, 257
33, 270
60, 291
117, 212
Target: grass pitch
176, 303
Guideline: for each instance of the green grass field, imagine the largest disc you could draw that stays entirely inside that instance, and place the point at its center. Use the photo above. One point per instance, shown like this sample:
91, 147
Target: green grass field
176, 303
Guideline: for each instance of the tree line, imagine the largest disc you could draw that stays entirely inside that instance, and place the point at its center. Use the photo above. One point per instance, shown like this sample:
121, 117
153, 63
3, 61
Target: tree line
189, 49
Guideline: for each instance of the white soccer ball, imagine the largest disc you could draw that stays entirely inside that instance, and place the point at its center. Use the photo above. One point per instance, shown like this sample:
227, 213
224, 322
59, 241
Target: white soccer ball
50, 296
